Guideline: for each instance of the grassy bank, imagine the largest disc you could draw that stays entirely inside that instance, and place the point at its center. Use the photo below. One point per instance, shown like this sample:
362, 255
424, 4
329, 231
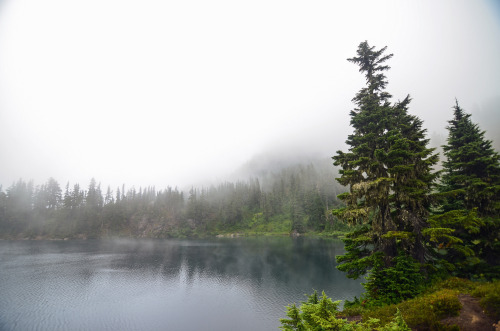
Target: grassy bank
438, 307
278, 225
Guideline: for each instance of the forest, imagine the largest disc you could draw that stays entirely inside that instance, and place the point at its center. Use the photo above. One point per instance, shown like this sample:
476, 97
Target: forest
412, 227
296, 198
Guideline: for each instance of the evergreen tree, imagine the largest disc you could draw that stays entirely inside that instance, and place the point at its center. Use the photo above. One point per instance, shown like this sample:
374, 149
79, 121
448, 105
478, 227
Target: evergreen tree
294, 322
471, 169
470, 188
109, 196
388, 168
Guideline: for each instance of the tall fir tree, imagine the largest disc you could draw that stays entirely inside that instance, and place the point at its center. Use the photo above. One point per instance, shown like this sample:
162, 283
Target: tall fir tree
389, 170
470, 188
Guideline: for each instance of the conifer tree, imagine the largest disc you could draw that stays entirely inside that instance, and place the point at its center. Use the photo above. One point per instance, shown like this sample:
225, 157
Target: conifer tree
471, 169
471, 190
388, 168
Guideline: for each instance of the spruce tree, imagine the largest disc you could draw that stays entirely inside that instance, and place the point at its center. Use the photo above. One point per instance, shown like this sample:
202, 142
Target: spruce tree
470, 186
388, 168
471, 169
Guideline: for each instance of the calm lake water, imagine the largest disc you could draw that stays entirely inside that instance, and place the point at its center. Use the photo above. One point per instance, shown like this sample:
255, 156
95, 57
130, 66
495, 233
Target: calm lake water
219, 284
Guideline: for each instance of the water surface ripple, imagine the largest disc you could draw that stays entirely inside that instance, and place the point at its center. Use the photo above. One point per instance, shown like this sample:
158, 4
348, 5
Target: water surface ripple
219, 284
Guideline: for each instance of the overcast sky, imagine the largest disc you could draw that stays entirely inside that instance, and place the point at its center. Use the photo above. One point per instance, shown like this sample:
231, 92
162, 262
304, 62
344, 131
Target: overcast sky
172, 92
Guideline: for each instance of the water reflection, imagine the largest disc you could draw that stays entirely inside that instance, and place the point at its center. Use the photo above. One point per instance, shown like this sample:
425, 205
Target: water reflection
222, 284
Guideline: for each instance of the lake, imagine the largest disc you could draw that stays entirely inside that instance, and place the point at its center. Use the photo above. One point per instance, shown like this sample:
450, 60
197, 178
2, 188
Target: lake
217, 284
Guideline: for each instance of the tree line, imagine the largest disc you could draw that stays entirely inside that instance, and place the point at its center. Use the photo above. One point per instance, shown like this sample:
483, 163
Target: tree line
296, 198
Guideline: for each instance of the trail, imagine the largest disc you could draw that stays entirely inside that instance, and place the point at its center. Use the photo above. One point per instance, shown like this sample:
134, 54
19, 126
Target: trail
472, 316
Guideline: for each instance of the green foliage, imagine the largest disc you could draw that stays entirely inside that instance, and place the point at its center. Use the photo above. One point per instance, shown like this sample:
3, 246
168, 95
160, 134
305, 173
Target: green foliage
470, 202
386, 285
397, 324
489, 294
358, 257
454, 283
472, 168
422, 312
389, 170
295, 320
321, 313
396, 240
353, 308
440, 300
465, 244
454, 235
294, 198
317, 313
444, 303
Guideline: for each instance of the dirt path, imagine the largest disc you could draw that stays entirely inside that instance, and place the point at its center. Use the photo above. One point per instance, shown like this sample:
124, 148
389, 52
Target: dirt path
472, 317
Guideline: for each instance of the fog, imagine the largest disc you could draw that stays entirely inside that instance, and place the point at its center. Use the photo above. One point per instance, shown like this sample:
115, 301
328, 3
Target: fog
178, 92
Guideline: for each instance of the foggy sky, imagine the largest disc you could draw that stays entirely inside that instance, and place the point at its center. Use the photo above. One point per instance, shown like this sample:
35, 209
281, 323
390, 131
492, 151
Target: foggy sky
174, 92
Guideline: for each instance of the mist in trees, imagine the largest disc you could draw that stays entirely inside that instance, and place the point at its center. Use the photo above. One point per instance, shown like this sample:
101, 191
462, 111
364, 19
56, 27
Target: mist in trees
294, 198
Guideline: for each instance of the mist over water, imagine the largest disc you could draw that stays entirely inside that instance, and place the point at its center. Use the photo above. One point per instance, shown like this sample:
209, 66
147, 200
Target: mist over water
223, 284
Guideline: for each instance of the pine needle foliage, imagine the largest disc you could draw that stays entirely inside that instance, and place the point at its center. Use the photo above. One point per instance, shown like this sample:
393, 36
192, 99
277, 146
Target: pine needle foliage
472, 168
388, 168
470, 194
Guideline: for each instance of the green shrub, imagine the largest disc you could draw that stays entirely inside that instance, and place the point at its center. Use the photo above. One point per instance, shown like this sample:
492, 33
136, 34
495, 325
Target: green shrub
353, 310
444, 303
321, 313
317, 313
489, 294
397, 324
386, 285
424, 311
455, 283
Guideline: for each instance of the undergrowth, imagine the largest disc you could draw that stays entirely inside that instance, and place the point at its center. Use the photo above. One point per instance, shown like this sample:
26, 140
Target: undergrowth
321, 313
438, 301
489, 294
